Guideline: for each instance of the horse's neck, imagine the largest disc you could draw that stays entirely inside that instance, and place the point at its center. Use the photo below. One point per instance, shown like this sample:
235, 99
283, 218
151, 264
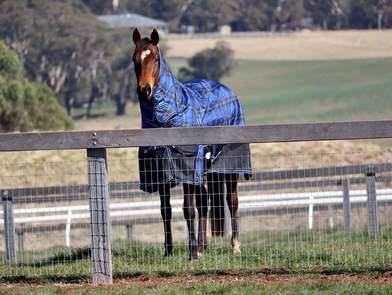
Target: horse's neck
171, 92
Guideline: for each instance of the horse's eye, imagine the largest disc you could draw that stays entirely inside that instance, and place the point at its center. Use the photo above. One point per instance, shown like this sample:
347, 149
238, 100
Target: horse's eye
157, 61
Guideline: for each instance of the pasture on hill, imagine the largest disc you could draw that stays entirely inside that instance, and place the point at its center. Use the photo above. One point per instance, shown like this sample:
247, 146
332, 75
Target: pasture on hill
311, 91
316, 45
315, 91
48, 168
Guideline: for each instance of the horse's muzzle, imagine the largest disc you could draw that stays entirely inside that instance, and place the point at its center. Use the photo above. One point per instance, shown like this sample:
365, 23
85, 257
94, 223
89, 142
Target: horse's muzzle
144, 91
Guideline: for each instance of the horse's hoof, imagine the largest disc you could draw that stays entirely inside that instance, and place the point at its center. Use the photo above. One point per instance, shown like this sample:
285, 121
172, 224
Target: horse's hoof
236, 247
193, 257
201, 248
168, 253
199, 254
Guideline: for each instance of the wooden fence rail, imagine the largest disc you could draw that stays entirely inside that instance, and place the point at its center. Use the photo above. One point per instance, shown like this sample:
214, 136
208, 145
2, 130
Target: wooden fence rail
188, 136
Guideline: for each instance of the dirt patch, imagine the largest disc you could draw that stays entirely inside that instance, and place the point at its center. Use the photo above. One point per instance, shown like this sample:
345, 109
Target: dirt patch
188, 280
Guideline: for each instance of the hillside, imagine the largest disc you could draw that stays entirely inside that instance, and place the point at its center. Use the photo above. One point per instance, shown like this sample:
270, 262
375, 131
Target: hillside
311, 91
324, 45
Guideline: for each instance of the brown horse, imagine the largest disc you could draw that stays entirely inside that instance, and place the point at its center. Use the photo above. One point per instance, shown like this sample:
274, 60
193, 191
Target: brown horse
146, 58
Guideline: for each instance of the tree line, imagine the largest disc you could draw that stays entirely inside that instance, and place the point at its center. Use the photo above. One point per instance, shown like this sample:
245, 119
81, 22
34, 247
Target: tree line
253, 15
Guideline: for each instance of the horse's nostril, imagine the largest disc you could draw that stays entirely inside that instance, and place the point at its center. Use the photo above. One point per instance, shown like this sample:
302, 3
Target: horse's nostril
148, 90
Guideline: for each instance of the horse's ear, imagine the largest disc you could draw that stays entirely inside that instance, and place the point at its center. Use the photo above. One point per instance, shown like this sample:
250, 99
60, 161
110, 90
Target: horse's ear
154, 37
136, 36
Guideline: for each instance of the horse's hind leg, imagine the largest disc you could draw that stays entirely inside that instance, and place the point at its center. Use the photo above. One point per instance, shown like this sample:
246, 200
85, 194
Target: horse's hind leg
189, 214
166, 212
202, 209
215, 182
232, 202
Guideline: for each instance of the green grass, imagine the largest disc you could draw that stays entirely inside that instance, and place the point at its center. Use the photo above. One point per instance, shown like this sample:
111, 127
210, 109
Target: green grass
293, 252
310, 91
221, 288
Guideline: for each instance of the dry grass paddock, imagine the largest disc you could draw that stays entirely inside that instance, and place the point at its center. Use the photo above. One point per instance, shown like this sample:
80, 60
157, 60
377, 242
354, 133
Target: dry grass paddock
47, 168
317, 45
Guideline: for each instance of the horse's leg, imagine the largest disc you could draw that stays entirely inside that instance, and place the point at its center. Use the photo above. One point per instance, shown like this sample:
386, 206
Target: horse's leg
166, 212
189, 214
215, 183
202, 209
232, 202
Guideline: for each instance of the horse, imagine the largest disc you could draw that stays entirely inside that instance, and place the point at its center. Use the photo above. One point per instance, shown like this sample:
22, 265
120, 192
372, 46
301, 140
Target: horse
165, 102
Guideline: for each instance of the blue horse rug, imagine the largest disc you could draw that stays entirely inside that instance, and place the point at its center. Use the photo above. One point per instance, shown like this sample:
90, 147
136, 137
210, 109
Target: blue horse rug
193, 104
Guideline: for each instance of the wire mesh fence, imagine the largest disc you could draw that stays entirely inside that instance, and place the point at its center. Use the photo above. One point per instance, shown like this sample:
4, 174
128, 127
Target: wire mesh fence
306, 207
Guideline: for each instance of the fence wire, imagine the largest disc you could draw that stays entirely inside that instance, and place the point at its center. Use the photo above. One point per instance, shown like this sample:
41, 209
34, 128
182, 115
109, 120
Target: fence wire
306, 207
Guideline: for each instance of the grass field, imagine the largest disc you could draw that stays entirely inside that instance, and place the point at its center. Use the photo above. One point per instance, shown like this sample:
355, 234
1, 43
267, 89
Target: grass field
264, 252
312, 91
297, 262
315, 45
210, 286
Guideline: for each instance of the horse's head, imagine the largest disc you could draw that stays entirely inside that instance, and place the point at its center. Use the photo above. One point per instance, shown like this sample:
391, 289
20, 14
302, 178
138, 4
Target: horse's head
146, 63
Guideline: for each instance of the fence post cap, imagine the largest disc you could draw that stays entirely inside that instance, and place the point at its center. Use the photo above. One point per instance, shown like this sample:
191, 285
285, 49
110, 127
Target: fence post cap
5, 194
370, 170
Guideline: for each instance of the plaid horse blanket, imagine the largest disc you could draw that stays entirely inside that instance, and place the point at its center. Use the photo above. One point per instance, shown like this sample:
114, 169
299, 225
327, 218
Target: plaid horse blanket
193, 104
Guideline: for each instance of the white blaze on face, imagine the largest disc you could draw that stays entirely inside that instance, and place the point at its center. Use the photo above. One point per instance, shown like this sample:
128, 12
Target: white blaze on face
145, 53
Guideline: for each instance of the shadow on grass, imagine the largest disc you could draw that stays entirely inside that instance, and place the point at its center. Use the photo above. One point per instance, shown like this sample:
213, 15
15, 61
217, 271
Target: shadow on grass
62, 256
45, 279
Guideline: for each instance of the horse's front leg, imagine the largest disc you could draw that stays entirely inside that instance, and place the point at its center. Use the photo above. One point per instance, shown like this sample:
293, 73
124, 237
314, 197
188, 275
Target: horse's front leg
189, 214
232, 202
202, 209
166, 212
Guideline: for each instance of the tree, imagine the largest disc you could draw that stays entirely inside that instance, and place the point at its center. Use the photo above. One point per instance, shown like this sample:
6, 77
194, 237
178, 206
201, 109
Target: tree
289, 13
362, 14
340, 12
63, 45
381, 7
253, 16
209, 15
211, 64
321, 11
24, 105
100, 6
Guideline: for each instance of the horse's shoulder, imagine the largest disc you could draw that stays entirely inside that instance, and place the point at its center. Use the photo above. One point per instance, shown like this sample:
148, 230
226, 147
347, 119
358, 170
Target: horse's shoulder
203, 86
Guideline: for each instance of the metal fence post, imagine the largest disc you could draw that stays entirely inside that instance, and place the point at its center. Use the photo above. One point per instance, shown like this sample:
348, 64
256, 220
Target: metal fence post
20, 239
330, 216
310, 212
372, 202
68, 229
9, 228
346, 204
101, 228
129, 228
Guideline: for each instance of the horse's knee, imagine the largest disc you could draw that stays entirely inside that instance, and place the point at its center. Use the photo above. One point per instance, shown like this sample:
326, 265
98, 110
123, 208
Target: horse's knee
189, 212
188, 207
